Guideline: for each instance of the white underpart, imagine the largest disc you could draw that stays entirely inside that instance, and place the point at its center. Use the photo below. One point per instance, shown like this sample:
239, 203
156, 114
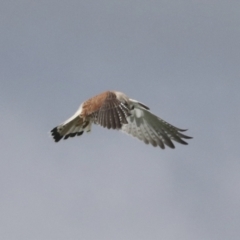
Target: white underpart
138, 113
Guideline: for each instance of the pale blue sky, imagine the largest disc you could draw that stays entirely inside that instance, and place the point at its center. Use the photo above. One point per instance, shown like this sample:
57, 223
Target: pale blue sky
180, 58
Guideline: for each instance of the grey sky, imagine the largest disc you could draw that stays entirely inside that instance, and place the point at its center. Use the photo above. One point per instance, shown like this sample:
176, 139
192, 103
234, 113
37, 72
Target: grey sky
180, 58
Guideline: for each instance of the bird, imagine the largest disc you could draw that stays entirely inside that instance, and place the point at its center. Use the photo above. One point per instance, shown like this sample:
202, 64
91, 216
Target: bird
115, 110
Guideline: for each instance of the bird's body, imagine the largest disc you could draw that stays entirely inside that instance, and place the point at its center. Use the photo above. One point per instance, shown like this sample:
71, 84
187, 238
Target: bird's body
115, 110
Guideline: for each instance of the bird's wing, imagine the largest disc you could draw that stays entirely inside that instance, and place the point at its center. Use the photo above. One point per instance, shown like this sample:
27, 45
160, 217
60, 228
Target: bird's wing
151, 129
113, 113
70, 128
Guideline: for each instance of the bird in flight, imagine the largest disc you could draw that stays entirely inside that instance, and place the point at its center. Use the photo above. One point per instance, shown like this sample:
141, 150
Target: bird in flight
114, 110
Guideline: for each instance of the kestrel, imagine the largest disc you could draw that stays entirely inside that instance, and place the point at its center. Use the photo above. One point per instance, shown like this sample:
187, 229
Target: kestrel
115, 110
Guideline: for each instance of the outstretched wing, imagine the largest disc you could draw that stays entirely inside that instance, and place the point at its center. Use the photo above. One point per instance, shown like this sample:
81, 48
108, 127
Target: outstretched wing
113, 113
115, 110
151, 129
72, 127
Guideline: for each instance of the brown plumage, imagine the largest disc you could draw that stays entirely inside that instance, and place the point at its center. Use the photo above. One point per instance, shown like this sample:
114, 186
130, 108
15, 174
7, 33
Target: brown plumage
115, 110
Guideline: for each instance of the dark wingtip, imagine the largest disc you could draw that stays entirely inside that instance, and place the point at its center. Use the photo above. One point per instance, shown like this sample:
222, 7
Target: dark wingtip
183, 135
79, 133
182, 130
73, 135
56, 135
169, 143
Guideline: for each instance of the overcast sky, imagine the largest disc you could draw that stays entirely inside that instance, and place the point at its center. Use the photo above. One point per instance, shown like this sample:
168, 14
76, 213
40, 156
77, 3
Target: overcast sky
180, 58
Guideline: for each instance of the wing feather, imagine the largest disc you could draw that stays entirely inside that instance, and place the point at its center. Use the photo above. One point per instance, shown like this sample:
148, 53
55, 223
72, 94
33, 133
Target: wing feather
113, 113
149, 128
115, 110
